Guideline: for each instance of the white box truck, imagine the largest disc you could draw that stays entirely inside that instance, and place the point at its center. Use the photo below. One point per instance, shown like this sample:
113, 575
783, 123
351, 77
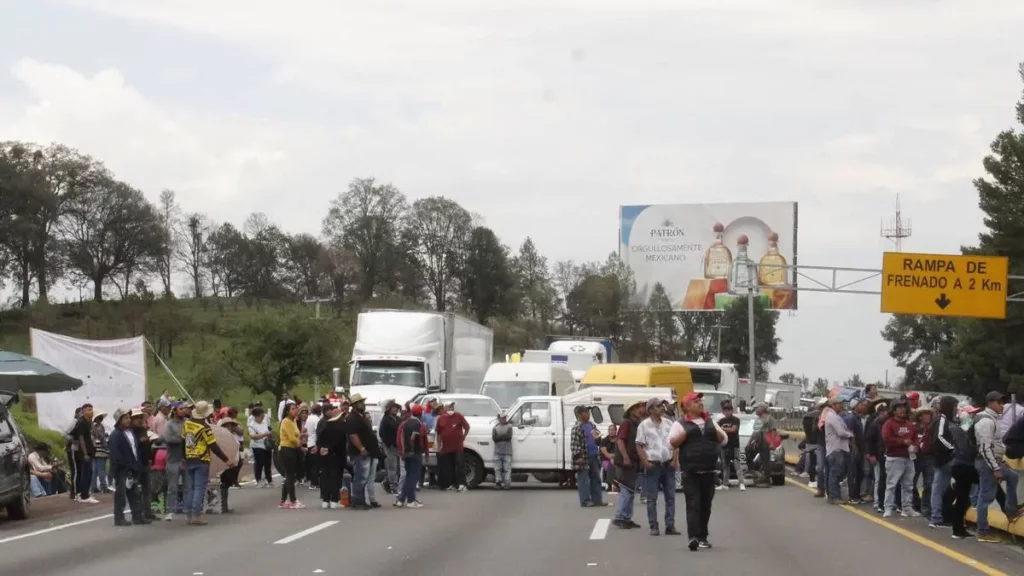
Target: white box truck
401, 353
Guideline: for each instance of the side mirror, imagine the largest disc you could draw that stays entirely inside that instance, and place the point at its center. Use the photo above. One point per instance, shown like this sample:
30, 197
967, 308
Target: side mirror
432, 387
529, 420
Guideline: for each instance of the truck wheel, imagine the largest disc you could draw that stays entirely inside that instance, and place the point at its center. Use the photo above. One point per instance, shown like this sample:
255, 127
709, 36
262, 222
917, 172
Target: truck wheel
473, 470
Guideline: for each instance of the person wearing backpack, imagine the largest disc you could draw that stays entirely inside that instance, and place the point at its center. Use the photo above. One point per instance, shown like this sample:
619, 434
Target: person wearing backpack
958, 497
1014, 440
943, 452
992, 469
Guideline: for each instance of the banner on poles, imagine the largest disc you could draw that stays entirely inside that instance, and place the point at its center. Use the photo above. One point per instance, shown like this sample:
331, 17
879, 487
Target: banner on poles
113, 374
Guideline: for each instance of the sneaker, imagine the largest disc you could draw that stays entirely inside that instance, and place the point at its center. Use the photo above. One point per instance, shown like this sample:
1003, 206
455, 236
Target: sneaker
463, 488
935, 525
910, 514
694, 544
169, 516
722, 488
325, 505
743, 487
298, 505
90, 500
812, 485
414, 504
284, 505
988, 537
887, 514
704, 544
399, 504
335, 505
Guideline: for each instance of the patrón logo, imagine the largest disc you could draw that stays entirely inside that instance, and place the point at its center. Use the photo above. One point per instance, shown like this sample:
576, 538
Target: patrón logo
667, 231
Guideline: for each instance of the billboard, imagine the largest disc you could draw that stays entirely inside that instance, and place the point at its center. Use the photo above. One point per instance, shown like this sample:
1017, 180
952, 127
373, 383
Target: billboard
701, 253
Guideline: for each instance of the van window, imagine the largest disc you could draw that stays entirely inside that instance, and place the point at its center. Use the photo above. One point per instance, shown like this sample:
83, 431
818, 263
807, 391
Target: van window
539, 410
616, 412
507, 393
595, 415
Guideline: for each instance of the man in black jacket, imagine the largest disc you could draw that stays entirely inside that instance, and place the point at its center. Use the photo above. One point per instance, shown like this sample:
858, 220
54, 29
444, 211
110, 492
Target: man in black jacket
875, 448
943, 450
126, 466
388, 432
811, 440
138, 420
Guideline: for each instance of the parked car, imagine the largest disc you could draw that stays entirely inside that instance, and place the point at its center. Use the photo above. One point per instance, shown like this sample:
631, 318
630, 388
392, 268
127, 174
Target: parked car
777, 465
15, 491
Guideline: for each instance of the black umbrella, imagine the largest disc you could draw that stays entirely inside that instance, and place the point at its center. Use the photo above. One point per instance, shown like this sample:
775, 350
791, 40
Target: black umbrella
33, 376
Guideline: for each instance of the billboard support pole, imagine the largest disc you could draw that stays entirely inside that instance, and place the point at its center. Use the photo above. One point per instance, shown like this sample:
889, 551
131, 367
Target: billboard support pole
752, 372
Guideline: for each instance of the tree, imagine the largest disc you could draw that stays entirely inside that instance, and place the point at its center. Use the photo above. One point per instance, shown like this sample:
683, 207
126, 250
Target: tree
226, 260
534, 281
854, 382
787, 378
109, 227
735, 339
441, 229
272, 351
367, 220
487, 282
821, 387
261, 251
193, 249
304, 266
664, 328
916, 341
169, 214
699, 335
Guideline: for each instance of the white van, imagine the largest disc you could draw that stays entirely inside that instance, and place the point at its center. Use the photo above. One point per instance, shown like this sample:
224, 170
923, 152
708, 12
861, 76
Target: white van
507, 382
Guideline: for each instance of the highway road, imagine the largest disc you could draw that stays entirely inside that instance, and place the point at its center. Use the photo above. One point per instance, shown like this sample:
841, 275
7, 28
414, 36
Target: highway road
531, 530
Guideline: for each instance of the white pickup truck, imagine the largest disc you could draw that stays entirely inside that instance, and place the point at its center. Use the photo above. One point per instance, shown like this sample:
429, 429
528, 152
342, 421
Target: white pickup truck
541, 429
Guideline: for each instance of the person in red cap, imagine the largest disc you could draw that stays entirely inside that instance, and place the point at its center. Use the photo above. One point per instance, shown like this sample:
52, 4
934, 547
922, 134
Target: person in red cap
697, 437
412, 445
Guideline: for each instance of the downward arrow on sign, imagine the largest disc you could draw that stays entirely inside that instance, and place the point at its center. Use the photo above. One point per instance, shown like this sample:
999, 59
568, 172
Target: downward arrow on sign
942, 301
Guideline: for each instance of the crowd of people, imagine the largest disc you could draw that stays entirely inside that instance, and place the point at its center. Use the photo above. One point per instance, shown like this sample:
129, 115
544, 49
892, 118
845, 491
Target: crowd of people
904, 458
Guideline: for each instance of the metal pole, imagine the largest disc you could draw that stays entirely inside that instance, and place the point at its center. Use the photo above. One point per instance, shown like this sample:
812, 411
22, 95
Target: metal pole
750, 328
718, 349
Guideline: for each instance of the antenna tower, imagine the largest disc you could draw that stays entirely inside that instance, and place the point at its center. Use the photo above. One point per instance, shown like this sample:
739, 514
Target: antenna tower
896, 229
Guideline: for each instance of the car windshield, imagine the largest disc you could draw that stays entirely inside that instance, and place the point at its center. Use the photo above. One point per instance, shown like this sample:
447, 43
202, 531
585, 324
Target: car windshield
476, 407
391, 373
507, 393
713, 400
747, 426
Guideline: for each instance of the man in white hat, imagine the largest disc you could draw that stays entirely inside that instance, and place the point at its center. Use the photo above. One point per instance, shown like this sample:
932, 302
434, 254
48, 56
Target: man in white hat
199, 446
362, 447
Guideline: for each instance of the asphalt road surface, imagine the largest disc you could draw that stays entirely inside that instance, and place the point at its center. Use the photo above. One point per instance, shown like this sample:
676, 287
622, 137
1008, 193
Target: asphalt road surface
527, 531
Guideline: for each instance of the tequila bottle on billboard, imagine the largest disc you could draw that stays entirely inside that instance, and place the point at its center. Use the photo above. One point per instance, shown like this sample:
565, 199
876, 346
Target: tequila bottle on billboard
718, 257
742, 276
772, 270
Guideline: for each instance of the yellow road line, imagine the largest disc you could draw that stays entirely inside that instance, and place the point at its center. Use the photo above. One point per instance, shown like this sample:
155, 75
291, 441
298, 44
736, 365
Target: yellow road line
928, 543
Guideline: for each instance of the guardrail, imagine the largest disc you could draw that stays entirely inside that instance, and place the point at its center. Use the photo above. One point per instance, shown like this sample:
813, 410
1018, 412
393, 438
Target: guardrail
996, 518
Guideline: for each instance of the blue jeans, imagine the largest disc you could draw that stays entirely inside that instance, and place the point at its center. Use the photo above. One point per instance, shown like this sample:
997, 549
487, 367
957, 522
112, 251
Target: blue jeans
588, 481
898, 472
197, 477
940, 482
413, 464
503, 469
38, 486
371, 480
987, 487
660, 478
836, 466
99, 472
360, 476
624, 504
822, 467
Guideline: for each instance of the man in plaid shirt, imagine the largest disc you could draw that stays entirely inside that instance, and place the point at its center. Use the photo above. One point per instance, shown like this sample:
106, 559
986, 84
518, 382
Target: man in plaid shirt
586, 459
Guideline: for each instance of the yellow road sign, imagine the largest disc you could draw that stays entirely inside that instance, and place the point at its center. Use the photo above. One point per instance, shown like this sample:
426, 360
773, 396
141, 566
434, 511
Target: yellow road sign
945, 285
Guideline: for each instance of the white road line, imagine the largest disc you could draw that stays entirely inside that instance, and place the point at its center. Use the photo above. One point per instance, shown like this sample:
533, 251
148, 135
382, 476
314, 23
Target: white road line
54, 528
307, 532
600, 529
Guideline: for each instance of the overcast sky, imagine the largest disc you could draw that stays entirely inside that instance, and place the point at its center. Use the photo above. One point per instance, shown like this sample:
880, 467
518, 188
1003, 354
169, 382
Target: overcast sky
544, 117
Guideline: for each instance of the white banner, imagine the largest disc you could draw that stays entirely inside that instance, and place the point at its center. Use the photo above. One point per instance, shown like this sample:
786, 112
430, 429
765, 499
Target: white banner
113, 374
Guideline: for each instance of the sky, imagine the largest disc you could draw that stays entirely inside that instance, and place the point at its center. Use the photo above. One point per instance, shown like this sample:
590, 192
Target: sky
545, 116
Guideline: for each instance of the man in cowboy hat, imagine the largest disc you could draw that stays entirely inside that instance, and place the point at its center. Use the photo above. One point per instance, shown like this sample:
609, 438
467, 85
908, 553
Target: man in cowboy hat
199, 445
126, 465
627, 463
388, 432
361, 442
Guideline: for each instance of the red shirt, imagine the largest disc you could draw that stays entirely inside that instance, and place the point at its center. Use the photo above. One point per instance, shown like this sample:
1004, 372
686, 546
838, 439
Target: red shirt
451, 430
894, 433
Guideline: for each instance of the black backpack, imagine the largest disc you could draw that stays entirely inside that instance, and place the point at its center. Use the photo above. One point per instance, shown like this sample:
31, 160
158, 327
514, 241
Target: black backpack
966, 443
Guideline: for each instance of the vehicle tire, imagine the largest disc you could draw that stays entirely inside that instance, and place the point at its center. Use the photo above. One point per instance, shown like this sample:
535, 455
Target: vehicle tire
19, 509
548, 477
473, 470
779, 480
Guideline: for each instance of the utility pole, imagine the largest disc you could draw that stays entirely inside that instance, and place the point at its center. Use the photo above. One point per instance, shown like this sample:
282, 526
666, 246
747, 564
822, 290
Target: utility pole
750, 325
718, 349
316, 301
